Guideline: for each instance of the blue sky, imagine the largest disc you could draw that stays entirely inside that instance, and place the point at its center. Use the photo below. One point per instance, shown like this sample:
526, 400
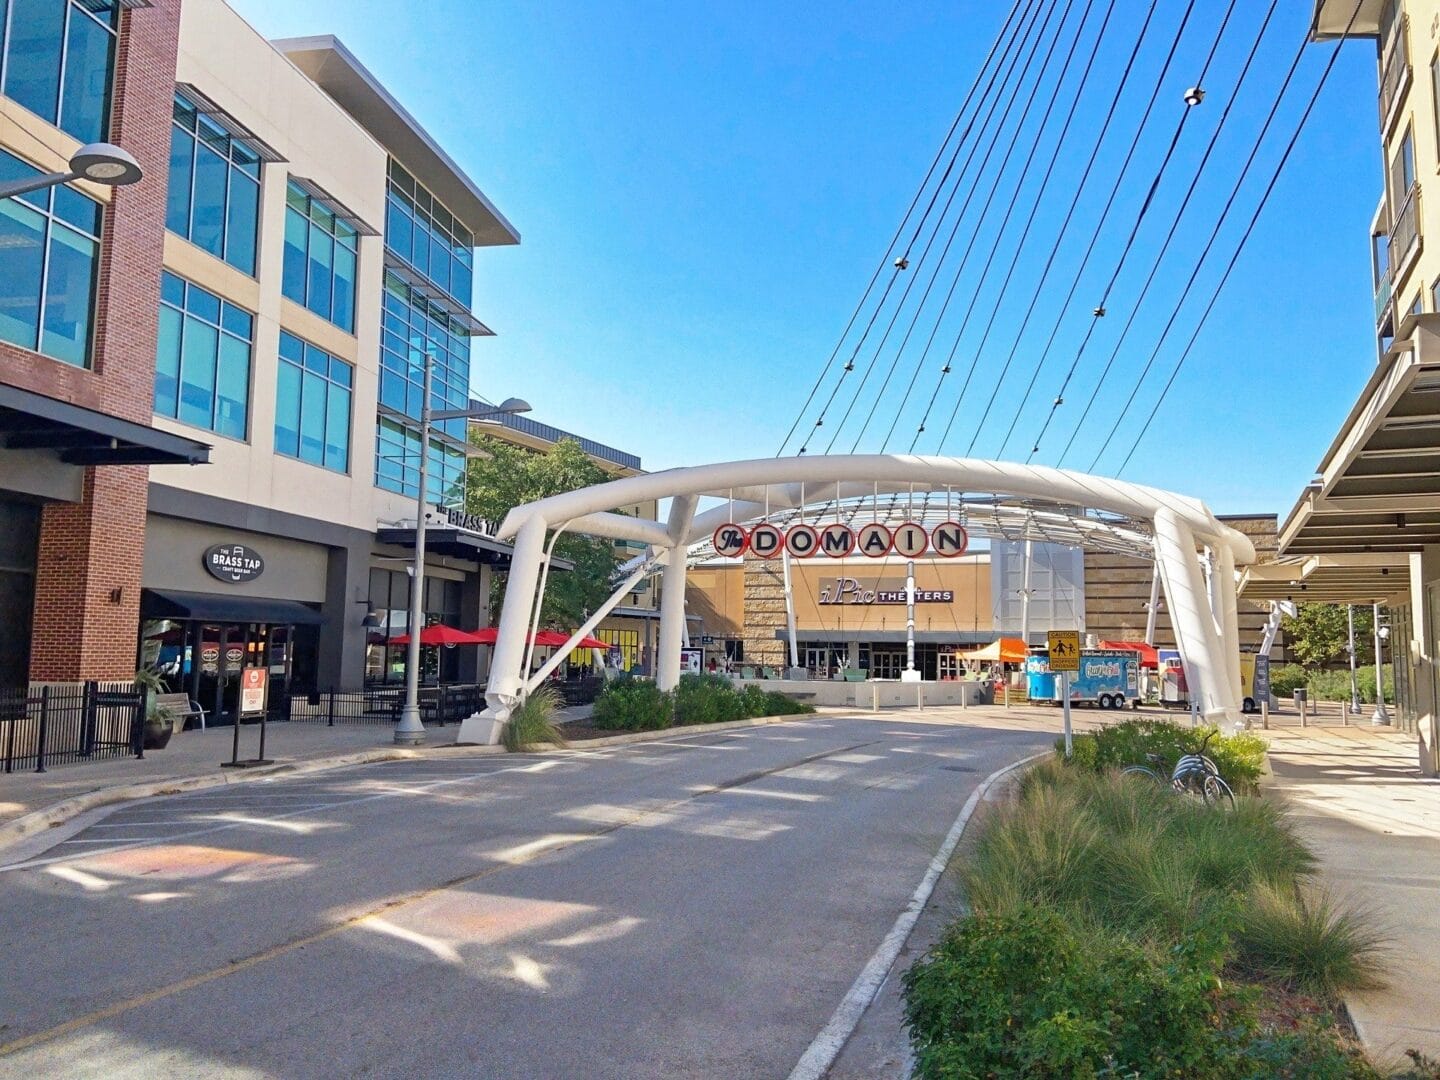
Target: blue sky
704, 190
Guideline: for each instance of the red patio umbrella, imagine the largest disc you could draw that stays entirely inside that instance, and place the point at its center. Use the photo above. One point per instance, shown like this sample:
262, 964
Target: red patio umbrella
589, 642
440, 634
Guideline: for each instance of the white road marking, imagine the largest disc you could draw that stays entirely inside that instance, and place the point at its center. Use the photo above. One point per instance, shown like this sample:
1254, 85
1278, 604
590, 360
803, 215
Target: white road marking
816, 1060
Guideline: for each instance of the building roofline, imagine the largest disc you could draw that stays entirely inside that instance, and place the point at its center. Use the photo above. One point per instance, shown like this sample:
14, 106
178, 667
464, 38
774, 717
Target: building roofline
326, 61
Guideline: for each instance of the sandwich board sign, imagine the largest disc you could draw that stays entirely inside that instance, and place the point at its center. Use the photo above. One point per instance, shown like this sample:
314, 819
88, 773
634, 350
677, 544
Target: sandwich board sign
1064, 650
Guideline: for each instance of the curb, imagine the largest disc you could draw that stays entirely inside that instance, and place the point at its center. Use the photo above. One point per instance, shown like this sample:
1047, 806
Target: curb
49, 817
827, 1046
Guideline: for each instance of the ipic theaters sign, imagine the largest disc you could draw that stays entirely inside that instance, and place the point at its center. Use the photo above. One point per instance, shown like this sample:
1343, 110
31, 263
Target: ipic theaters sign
848, 590
836, 541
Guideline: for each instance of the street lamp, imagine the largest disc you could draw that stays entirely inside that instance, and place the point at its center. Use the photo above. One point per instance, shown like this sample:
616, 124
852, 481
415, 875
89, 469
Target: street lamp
1380, 715
410, 731
101, 163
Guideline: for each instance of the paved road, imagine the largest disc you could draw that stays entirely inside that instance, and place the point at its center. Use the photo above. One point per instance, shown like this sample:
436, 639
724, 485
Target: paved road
694, 908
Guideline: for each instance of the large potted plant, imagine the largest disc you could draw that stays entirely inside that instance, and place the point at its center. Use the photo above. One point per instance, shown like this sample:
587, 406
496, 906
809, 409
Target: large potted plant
159, 719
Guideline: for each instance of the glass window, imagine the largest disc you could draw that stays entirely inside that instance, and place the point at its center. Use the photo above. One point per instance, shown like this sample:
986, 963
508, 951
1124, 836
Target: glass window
320, 253
58, 61
49, 251
214, 193
416, 327
421, 231
202, 362
397, 464
1402, 170
312, 405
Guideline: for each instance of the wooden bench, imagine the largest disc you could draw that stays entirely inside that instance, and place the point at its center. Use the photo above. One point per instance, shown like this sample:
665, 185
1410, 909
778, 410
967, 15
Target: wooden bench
181, 707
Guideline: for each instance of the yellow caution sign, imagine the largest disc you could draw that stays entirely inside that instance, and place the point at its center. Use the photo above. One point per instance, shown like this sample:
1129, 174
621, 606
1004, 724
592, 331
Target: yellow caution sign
1064, 650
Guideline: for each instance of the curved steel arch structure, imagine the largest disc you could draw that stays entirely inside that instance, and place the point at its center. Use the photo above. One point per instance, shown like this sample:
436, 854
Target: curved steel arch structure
1197, 554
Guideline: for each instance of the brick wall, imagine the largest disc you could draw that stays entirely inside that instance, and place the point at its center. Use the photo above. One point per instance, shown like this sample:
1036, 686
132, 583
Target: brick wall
91, 554
764, 612
1118, 587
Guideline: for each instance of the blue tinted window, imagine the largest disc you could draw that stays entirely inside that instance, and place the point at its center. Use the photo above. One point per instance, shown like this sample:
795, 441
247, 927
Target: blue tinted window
421, 231
416, 326
51, 37
214, 192
312, 405
320, 252
41, 255
202, 361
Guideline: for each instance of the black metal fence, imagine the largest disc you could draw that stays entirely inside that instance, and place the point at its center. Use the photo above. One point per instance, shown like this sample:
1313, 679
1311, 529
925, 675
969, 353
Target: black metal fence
439, 705
65, 723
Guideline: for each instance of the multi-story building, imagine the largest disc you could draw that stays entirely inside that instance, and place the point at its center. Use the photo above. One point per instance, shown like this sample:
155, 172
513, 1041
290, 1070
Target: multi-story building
268, 296
1367, 530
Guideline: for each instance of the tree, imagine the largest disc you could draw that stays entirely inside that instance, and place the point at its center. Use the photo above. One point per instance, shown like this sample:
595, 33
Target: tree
1318, 635
510, 475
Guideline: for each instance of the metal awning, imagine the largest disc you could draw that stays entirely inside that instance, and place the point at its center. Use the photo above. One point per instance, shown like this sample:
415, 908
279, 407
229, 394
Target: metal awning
457, 543
320, 195
225, 608
1378, 489
30, 421
1371, 578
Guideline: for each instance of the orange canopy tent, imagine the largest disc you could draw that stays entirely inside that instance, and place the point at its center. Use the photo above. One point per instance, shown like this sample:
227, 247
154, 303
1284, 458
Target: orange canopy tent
1007, 650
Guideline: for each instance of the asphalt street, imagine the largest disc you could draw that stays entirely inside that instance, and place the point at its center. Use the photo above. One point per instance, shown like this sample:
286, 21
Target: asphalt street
689, 908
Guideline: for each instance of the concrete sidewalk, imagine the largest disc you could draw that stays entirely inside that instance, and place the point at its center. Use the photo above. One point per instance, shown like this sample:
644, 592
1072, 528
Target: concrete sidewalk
1375, 823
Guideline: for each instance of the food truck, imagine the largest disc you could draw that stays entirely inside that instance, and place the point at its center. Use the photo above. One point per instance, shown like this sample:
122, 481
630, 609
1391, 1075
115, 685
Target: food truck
1107, 679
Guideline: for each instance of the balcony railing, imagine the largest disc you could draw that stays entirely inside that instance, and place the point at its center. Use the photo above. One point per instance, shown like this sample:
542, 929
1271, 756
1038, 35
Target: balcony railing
1395, 70
1405, 235
1382, 301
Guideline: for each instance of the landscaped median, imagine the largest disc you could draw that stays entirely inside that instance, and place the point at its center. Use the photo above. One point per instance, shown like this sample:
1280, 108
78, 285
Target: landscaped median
1118, 928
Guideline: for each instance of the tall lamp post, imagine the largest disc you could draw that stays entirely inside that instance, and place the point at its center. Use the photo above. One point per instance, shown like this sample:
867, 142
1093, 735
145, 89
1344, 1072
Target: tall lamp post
410, 731
1380, 715
100, 163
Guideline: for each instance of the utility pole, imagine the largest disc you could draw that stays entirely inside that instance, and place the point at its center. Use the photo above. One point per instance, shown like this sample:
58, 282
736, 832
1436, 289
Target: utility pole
1354, 682
1380, 716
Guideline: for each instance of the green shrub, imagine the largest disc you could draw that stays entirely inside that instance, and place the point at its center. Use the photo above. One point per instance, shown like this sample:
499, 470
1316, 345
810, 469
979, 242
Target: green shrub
1028, 995
633, 705
707, 699
1285, 680
1240, 758
533, 722
778, 704
1309, 942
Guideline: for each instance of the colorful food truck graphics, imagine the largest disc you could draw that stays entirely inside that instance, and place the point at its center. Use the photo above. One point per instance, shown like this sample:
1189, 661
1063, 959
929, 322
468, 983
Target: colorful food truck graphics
1107, 679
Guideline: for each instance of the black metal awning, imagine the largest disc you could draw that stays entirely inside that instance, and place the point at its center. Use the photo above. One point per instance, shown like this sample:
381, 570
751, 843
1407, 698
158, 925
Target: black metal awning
457, 543
30, 421
223, 608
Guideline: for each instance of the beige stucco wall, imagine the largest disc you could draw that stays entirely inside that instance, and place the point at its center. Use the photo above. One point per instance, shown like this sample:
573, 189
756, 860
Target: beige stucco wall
231, 63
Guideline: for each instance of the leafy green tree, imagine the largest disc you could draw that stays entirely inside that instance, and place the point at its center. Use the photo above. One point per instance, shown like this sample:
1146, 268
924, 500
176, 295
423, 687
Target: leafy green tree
1317, 636
510, 475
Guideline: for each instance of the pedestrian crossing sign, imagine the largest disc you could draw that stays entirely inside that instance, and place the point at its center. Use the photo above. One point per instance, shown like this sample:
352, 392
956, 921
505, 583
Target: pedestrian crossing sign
1064, 650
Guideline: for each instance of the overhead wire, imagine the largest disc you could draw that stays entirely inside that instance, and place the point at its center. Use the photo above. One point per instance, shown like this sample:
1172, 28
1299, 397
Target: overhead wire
1100, 309
1154, 97
1069, 215
899, 308
1170, 236
1005, 29
945, 306
1239, 249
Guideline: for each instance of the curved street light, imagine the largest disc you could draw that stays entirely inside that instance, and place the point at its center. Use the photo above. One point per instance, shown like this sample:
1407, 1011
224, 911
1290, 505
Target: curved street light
100, 163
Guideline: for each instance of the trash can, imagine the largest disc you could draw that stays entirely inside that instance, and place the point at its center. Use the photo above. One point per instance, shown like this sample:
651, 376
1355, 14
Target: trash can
1301, 696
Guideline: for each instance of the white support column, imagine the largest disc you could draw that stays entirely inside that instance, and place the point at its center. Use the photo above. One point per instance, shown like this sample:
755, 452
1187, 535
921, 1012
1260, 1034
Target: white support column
672, 595
1200, 645
910, 674
1224, 573
507, 661
1153, 611
1025, 593
790, 610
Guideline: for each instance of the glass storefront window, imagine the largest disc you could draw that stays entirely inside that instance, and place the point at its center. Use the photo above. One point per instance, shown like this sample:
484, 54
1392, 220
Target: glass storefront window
320, 257
312, 405
57, 58
213, 198
202, 359
50, 241
390, 599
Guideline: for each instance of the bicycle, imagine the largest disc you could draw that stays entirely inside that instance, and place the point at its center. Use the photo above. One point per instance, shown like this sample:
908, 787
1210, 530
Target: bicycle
1194, 775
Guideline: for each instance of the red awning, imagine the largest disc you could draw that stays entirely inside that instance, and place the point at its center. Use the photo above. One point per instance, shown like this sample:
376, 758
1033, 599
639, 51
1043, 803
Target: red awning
1149, 655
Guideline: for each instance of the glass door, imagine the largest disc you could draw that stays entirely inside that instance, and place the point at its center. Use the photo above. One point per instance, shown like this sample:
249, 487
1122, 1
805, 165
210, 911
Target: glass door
886, 665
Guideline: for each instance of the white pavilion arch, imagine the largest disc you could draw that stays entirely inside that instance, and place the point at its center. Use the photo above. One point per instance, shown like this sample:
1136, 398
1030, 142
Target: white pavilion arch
1196, 555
